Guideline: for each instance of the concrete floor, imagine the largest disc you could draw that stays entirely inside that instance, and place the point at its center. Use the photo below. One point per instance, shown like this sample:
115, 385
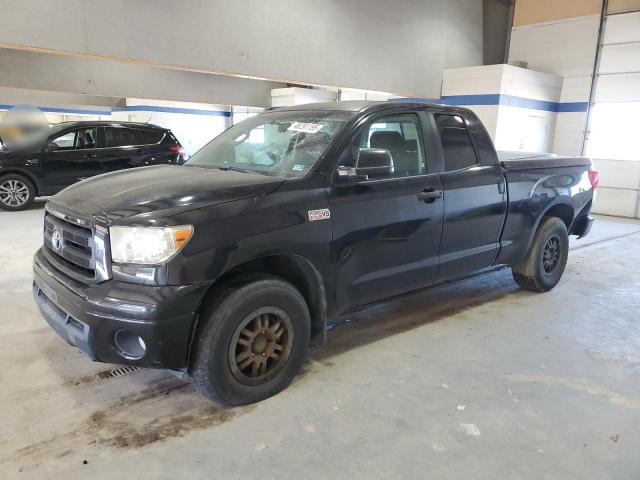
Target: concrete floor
472, 379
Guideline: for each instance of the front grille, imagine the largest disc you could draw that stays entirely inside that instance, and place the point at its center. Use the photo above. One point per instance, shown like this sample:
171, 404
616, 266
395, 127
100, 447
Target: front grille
69, 247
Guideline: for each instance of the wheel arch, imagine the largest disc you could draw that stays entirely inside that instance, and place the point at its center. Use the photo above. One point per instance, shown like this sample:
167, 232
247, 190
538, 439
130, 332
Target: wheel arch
28, 175
295, 269
563, 211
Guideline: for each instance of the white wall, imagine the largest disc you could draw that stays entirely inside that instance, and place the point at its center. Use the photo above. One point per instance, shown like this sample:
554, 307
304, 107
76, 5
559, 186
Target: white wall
286, 97
516, 121
390, 46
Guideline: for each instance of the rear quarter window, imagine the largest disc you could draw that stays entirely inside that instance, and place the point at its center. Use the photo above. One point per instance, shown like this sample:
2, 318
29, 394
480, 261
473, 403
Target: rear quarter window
457, 145
121, 137
148, 137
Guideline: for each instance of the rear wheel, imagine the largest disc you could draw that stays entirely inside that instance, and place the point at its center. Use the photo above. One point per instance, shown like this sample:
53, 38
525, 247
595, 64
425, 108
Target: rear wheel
252, 342
542, 267
16, 192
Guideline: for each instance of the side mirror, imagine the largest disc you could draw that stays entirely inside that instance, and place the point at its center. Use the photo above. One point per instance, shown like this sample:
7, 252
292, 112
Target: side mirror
51, 147
374, 163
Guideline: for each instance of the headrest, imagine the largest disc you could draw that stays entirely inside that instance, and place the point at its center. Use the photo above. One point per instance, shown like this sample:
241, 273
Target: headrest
386, 139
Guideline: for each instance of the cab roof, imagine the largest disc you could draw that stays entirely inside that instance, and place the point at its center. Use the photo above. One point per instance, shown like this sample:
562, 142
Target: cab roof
359, 105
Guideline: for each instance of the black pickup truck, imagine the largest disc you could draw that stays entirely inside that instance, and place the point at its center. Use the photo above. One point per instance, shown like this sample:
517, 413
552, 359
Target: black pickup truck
227, 267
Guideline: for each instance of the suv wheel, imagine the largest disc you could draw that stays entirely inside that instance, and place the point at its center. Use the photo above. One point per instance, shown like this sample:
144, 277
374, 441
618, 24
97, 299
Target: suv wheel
16, 192
541, 269
252, 342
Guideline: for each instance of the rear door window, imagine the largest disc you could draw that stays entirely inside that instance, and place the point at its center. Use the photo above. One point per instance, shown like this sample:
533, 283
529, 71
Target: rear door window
120, 137
457, 145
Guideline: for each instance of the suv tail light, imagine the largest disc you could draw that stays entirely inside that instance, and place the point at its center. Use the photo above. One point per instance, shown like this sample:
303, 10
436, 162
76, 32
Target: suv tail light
178, 149
184, 156
594, 177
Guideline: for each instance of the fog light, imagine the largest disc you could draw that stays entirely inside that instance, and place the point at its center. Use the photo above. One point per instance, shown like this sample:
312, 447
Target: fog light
129, 345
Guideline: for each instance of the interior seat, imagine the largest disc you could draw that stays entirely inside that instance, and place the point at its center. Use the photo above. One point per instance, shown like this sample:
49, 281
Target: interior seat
405, 162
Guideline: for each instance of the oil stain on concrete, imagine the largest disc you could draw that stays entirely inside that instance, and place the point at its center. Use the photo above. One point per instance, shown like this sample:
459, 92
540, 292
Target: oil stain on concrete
164, 409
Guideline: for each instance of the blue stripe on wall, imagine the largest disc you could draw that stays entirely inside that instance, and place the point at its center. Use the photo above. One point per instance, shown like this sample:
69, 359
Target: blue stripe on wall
573, 107
490, 99
155, 108
132, 108
509, 100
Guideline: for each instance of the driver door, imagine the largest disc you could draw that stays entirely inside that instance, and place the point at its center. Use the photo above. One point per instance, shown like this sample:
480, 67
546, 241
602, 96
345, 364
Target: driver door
386, 234
71, 156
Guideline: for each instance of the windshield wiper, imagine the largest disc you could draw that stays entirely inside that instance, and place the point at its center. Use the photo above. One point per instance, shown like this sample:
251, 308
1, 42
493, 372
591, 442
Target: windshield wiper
234, 169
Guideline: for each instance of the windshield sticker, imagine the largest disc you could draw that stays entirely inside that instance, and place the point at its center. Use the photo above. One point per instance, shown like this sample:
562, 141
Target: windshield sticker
322, 214
298, 168
305, 127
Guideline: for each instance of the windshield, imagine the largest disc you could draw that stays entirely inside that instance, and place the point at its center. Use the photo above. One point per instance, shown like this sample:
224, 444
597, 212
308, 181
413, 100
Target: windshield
284, 144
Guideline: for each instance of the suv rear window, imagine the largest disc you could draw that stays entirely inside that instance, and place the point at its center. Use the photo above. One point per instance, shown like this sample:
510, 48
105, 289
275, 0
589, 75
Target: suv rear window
120, 137
148, 137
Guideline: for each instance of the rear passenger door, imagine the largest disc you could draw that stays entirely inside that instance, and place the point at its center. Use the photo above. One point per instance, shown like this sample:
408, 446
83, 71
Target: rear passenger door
121, 148
474, 198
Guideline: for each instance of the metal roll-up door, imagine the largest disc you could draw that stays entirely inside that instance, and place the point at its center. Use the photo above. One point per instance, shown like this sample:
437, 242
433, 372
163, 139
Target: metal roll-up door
613, 139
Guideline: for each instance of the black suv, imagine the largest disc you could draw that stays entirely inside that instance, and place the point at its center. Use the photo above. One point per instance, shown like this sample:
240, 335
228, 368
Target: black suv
73, 151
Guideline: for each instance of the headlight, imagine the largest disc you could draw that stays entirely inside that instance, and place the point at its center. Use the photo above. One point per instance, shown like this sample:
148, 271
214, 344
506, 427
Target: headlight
147, 245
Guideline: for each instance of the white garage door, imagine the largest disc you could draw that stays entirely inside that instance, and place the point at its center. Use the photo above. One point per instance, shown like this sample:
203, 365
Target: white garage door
614, 131
614, 126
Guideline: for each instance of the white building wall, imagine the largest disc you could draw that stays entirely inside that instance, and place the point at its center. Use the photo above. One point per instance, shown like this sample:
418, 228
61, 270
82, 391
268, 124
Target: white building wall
516, 105
287, 97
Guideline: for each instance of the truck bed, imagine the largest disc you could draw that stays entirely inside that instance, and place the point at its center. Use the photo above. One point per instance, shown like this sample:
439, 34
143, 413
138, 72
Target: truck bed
514, 161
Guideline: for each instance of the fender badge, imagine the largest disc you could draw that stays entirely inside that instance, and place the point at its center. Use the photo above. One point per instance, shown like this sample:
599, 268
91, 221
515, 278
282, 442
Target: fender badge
322, 214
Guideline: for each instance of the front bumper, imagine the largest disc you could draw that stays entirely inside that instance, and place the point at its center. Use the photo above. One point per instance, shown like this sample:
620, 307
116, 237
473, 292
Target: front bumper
88, 316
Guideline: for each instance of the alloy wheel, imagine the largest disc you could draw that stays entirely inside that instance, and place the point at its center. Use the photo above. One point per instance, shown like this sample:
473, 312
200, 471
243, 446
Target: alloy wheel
14, 193
551, 254
261, 345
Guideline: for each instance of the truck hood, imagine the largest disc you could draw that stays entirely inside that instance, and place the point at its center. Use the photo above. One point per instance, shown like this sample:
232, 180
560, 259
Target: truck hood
159, 191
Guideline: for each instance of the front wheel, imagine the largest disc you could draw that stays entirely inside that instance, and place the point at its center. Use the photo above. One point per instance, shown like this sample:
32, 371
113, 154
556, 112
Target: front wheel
252, 342
16, 192
543, 265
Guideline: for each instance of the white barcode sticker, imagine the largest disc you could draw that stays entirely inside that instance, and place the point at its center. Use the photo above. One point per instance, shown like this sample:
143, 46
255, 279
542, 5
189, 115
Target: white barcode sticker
305, 127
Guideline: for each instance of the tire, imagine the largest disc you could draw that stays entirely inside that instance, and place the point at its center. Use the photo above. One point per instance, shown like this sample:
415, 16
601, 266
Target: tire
225, 354
543, 265
16, 192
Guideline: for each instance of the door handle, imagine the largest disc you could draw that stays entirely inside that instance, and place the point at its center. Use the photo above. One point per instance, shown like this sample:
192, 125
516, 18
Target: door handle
429, 195
92, 155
